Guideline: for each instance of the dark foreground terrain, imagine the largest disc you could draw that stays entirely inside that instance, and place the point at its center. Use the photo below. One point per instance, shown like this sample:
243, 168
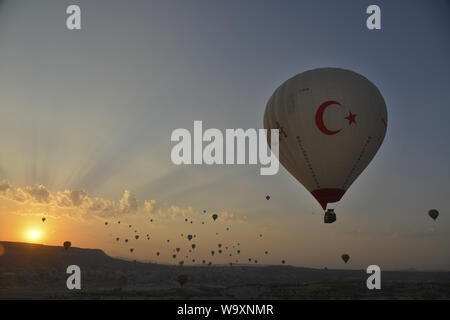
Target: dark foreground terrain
29, 271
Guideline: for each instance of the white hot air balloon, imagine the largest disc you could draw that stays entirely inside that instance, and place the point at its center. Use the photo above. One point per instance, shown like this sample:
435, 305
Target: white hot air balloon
331, 124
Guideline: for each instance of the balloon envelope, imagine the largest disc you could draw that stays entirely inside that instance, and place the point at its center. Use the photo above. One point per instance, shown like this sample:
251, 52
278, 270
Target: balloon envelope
345, 257
331, 124
433, 213
67, 244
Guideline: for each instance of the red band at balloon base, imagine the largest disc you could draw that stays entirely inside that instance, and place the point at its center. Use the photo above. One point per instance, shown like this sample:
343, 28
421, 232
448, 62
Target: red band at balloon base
327, 195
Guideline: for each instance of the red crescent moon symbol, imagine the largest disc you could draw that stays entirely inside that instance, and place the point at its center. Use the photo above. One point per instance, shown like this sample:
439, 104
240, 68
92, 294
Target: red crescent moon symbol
319, 118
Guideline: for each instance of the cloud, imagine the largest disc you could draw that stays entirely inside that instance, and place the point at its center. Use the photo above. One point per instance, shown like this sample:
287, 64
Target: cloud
174, 212
232, 217
4, 186
38, 193
35, 194
78, 200
74, 198
78, 203
149, 206
103, 208
128, 203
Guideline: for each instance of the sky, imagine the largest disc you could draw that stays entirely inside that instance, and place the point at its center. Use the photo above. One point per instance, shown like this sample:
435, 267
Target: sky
86, 118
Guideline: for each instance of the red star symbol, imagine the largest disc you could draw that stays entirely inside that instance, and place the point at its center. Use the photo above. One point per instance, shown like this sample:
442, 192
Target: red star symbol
351, 118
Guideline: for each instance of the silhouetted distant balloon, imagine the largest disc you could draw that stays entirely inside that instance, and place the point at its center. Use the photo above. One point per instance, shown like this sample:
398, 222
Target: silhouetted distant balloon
267, 197
106, 223
219, 245
239, 251
129, 226
189, 237
256, 261
118, 222
220, 251
178, 249
168, 240
186, 220
67, 244
203, 261
283, 262
191, 222
193, 260
433, 213
136, 236
204, 211
190, 250
151, 220
249, 259
181, 263
193, 246
174, 256
260, 235
266, 252
182, 279
117, 239
43, 219
345, 257
203, 222
231, 264
228, 229
157, 254
131, 250
215, 216
212, 252
126, 240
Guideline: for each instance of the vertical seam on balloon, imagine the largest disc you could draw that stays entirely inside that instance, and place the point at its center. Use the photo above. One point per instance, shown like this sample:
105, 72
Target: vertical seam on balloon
358, 160
283, 152
308, 163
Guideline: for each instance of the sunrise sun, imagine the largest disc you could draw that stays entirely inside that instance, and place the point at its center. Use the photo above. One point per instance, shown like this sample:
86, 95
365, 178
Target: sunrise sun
34, 235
